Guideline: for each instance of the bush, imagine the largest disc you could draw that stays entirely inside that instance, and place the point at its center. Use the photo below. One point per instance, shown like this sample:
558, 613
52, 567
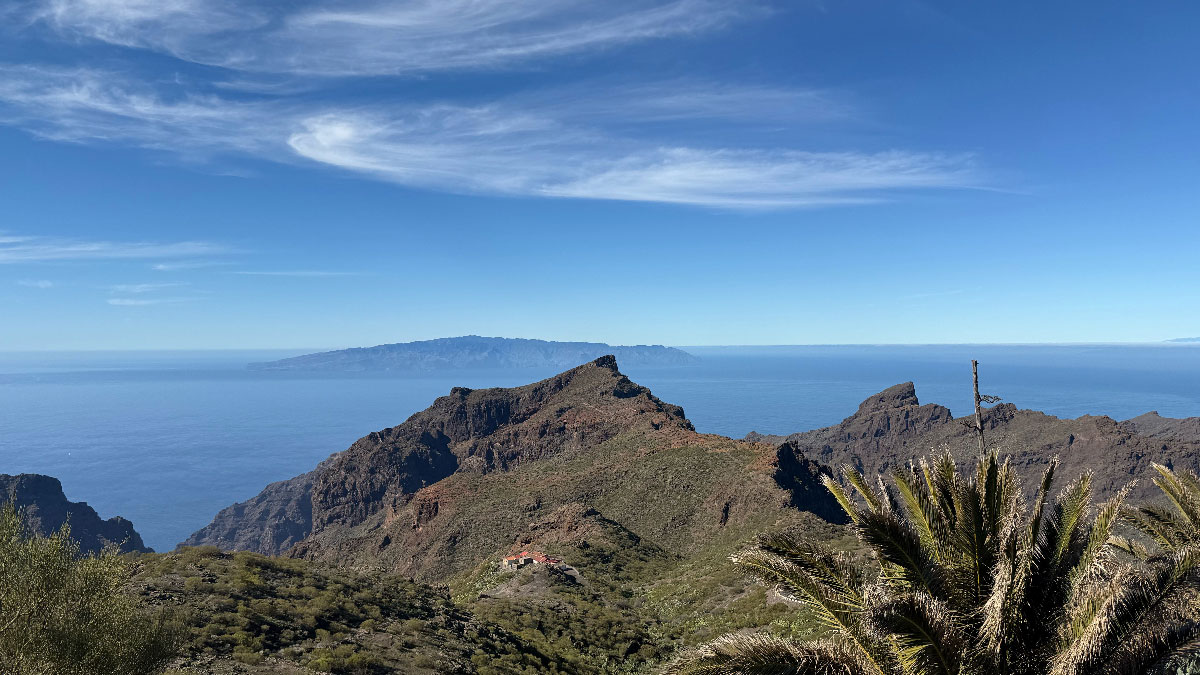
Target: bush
63, 613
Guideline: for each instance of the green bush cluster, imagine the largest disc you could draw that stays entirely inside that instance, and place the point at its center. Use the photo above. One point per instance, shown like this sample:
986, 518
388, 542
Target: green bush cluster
250, 607
68, 614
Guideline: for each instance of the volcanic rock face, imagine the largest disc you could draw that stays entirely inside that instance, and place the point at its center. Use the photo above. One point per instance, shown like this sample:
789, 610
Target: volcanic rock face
803, 479
482, 431
884, 424
468, 431
45, 508
891, 429
1151, 424
270, 523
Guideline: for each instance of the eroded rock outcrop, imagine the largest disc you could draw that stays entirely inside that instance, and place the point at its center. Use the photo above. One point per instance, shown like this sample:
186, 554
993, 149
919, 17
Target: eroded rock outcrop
891, 429
45, 509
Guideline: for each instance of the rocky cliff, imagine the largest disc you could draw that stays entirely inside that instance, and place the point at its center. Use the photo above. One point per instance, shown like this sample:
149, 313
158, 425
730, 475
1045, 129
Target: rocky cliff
270, 523
45, 509
477, 431
892, 428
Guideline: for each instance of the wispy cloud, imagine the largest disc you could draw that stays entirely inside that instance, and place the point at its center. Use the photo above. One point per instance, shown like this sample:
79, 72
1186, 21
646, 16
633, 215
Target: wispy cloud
519, 148
522, 148
15, 249
681, 141
373, 37
144, 288
82, 104
296, 273
490, 150
36, 283
142, 302
186, 265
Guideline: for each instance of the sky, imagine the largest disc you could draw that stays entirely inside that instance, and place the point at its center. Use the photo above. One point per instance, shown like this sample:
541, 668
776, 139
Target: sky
189, 174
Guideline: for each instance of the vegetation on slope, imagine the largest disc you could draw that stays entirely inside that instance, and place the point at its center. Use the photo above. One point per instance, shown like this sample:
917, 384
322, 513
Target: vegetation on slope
68, 614
624, 604
969, 580
284, 615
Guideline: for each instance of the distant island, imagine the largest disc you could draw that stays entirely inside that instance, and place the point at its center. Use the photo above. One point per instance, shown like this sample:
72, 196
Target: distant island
473, 352
1191, 339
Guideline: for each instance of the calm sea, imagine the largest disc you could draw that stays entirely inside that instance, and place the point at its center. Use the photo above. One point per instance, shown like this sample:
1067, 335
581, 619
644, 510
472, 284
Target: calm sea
167, 439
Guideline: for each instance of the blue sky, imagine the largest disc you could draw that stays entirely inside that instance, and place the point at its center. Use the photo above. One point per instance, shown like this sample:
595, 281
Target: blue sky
212, 173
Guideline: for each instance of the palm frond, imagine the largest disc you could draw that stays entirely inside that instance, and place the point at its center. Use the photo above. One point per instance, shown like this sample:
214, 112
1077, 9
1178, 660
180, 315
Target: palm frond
874, 500
1130, 547
1070, 509
922, 513
1165, 526
1119, 621
927, 635
941, 479
895, 541
842, 498
1003, 613
826, 582
1090, 560
1182, 493
766, 655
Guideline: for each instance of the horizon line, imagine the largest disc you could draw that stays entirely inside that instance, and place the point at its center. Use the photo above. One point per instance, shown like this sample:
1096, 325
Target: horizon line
1173, 342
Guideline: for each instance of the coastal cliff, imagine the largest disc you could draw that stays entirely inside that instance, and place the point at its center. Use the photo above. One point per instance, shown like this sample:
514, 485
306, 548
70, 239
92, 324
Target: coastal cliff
45, 509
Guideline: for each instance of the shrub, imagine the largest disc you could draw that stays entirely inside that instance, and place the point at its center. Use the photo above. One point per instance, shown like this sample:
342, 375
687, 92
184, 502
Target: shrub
67, 614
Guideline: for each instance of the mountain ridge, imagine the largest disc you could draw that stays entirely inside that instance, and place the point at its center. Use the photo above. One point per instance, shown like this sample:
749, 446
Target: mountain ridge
474, 352
892, 428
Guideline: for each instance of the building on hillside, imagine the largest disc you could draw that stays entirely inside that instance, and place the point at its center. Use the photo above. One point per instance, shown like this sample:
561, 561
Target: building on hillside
514, 562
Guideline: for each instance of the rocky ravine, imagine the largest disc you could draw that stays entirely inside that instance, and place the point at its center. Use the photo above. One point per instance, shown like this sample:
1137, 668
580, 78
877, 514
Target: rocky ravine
45, 508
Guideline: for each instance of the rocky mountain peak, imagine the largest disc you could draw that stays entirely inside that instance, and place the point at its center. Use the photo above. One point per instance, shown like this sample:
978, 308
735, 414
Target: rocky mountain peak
45, 508
468, 430
898, 396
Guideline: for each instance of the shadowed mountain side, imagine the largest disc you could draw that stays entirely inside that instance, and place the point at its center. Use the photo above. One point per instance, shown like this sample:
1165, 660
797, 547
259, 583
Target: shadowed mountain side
892, 428
475, 352
270, 523
679, 492
45, 508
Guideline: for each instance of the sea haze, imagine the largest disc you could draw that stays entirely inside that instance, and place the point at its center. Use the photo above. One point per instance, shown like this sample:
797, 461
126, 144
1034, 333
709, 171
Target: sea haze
167, 439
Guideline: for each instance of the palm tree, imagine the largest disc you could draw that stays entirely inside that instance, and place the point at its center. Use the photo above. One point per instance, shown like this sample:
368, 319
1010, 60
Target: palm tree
969, 579
1172, 528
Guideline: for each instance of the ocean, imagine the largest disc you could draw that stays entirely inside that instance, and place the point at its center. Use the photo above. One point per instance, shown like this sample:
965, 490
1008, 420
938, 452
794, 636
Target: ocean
167, 439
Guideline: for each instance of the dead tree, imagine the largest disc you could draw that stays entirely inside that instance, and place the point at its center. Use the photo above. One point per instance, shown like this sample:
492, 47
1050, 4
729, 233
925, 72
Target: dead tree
979, 399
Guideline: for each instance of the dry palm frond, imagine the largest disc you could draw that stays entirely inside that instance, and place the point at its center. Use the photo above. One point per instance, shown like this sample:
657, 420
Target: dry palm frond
1130, 618
1171, 528
764, 655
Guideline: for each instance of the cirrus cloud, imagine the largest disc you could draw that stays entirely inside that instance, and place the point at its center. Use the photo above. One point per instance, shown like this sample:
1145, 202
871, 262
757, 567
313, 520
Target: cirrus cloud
372, 37
33, 249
